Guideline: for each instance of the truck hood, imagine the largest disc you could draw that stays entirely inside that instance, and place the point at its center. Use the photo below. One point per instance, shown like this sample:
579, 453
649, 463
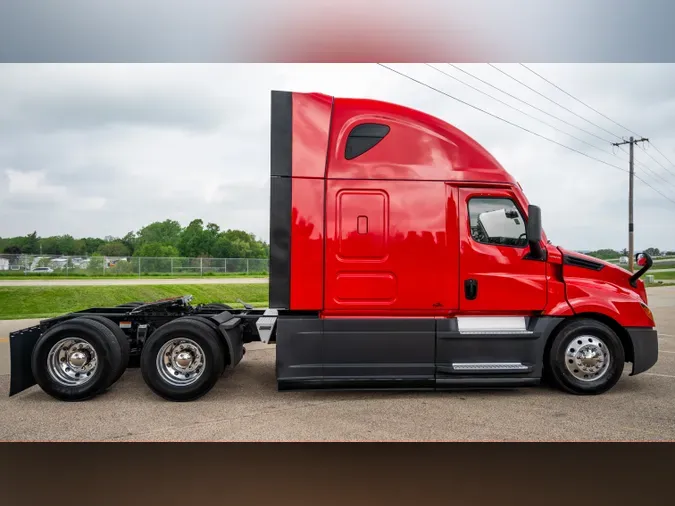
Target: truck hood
579, 266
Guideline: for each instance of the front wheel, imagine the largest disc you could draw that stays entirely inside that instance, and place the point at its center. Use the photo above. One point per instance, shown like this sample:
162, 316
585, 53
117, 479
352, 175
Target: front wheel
586, 358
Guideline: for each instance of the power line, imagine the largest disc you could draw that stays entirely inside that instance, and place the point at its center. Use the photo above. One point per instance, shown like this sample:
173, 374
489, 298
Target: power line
527, 103
541, 110
606, 117
664, 156
575, 98
593, 109
520, 127
554, 102
520, 111
644, 166
502, 119
659, 163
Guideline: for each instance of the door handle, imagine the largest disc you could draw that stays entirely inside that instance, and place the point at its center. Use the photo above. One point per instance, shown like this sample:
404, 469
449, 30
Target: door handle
362, 224
470, 289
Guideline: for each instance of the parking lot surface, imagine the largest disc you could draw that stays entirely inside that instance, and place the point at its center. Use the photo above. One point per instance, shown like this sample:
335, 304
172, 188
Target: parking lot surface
245, 405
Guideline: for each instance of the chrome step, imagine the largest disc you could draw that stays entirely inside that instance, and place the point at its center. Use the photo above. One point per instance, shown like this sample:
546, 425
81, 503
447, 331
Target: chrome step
489, 366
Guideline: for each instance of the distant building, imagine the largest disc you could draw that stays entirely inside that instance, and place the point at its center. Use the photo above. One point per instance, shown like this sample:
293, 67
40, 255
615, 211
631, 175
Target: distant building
4, 264
59, 263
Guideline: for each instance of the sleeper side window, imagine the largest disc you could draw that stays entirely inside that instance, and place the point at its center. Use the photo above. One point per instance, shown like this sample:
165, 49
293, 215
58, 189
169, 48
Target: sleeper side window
496, 221
363, 138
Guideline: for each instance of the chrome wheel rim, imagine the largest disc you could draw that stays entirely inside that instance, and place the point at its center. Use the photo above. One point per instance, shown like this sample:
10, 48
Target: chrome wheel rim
180, 362
72, 362
587, 358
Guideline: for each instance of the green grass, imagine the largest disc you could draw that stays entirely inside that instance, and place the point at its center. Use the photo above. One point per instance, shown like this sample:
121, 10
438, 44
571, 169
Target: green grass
657, 265
662, 275
12, 276
19, 302
663, 265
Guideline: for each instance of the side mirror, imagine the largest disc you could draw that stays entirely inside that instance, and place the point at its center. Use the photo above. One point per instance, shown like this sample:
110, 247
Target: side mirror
645, 261
641, 259
533, 232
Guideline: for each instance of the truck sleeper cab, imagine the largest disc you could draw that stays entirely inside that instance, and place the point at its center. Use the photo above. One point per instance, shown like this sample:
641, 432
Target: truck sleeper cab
402, 256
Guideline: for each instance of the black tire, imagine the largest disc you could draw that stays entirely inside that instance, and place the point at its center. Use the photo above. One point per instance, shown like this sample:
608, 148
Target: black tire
122, 340
99, 337
584, 331
217, 305
200, 333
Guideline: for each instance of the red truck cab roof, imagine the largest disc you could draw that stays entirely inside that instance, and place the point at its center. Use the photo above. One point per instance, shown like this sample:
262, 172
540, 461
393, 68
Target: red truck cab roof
413, 145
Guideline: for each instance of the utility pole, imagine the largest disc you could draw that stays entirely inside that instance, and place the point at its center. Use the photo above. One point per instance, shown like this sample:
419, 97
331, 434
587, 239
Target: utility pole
631, 172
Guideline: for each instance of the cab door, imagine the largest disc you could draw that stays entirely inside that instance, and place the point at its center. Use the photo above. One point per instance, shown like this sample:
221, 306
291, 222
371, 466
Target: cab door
496, 273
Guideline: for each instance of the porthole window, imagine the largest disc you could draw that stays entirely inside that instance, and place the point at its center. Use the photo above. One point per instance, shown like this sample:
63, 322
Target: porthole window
363, 138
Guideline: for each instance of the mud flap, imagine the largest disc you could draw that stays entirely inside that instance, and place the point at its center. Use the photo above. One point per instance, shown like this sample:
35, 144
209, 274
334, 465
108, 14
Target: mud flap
231, 329
235, 342
21, 344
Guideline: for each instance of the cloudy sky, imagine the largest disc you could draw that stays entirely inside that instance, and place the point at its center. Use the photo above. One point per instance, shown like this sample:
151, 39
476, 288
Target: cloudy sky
96, 150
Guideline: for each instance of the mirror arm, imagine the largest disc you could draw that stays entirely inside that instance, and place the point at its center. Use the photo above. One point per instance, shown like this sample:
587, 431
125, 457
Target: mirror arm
536, 252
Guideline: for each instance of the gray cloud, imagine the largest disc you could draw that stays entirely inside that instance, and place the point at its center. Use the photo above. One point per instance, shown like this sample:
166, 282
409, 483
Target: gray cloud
104, 149
59, 98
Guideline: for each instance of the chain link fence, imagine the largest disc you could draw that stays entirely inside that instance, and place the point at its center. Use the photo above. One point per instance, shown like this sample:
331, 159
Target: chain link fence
97, 266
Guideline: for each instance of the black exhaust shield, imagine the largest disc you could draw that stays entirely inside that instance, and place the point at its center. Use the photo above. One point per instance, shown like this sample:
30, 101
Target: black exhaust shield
281, 172
21, 344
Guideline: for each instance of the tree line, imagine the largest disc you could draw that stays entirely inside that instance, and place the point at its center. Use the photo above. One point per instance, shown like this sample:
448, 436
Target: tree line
159, 239
169, 239
607, 254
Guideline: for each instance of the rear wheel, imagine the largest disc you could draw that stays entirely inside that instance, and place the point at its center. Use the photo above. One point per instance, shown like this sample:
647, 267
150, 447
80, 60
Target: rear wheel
586, 358
75, 360
182, 360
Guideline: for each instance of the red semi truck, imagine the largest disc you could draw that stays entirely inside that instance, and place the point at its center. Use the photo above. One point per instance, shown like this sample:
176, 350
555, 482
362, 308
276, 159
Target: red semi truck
403, 256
